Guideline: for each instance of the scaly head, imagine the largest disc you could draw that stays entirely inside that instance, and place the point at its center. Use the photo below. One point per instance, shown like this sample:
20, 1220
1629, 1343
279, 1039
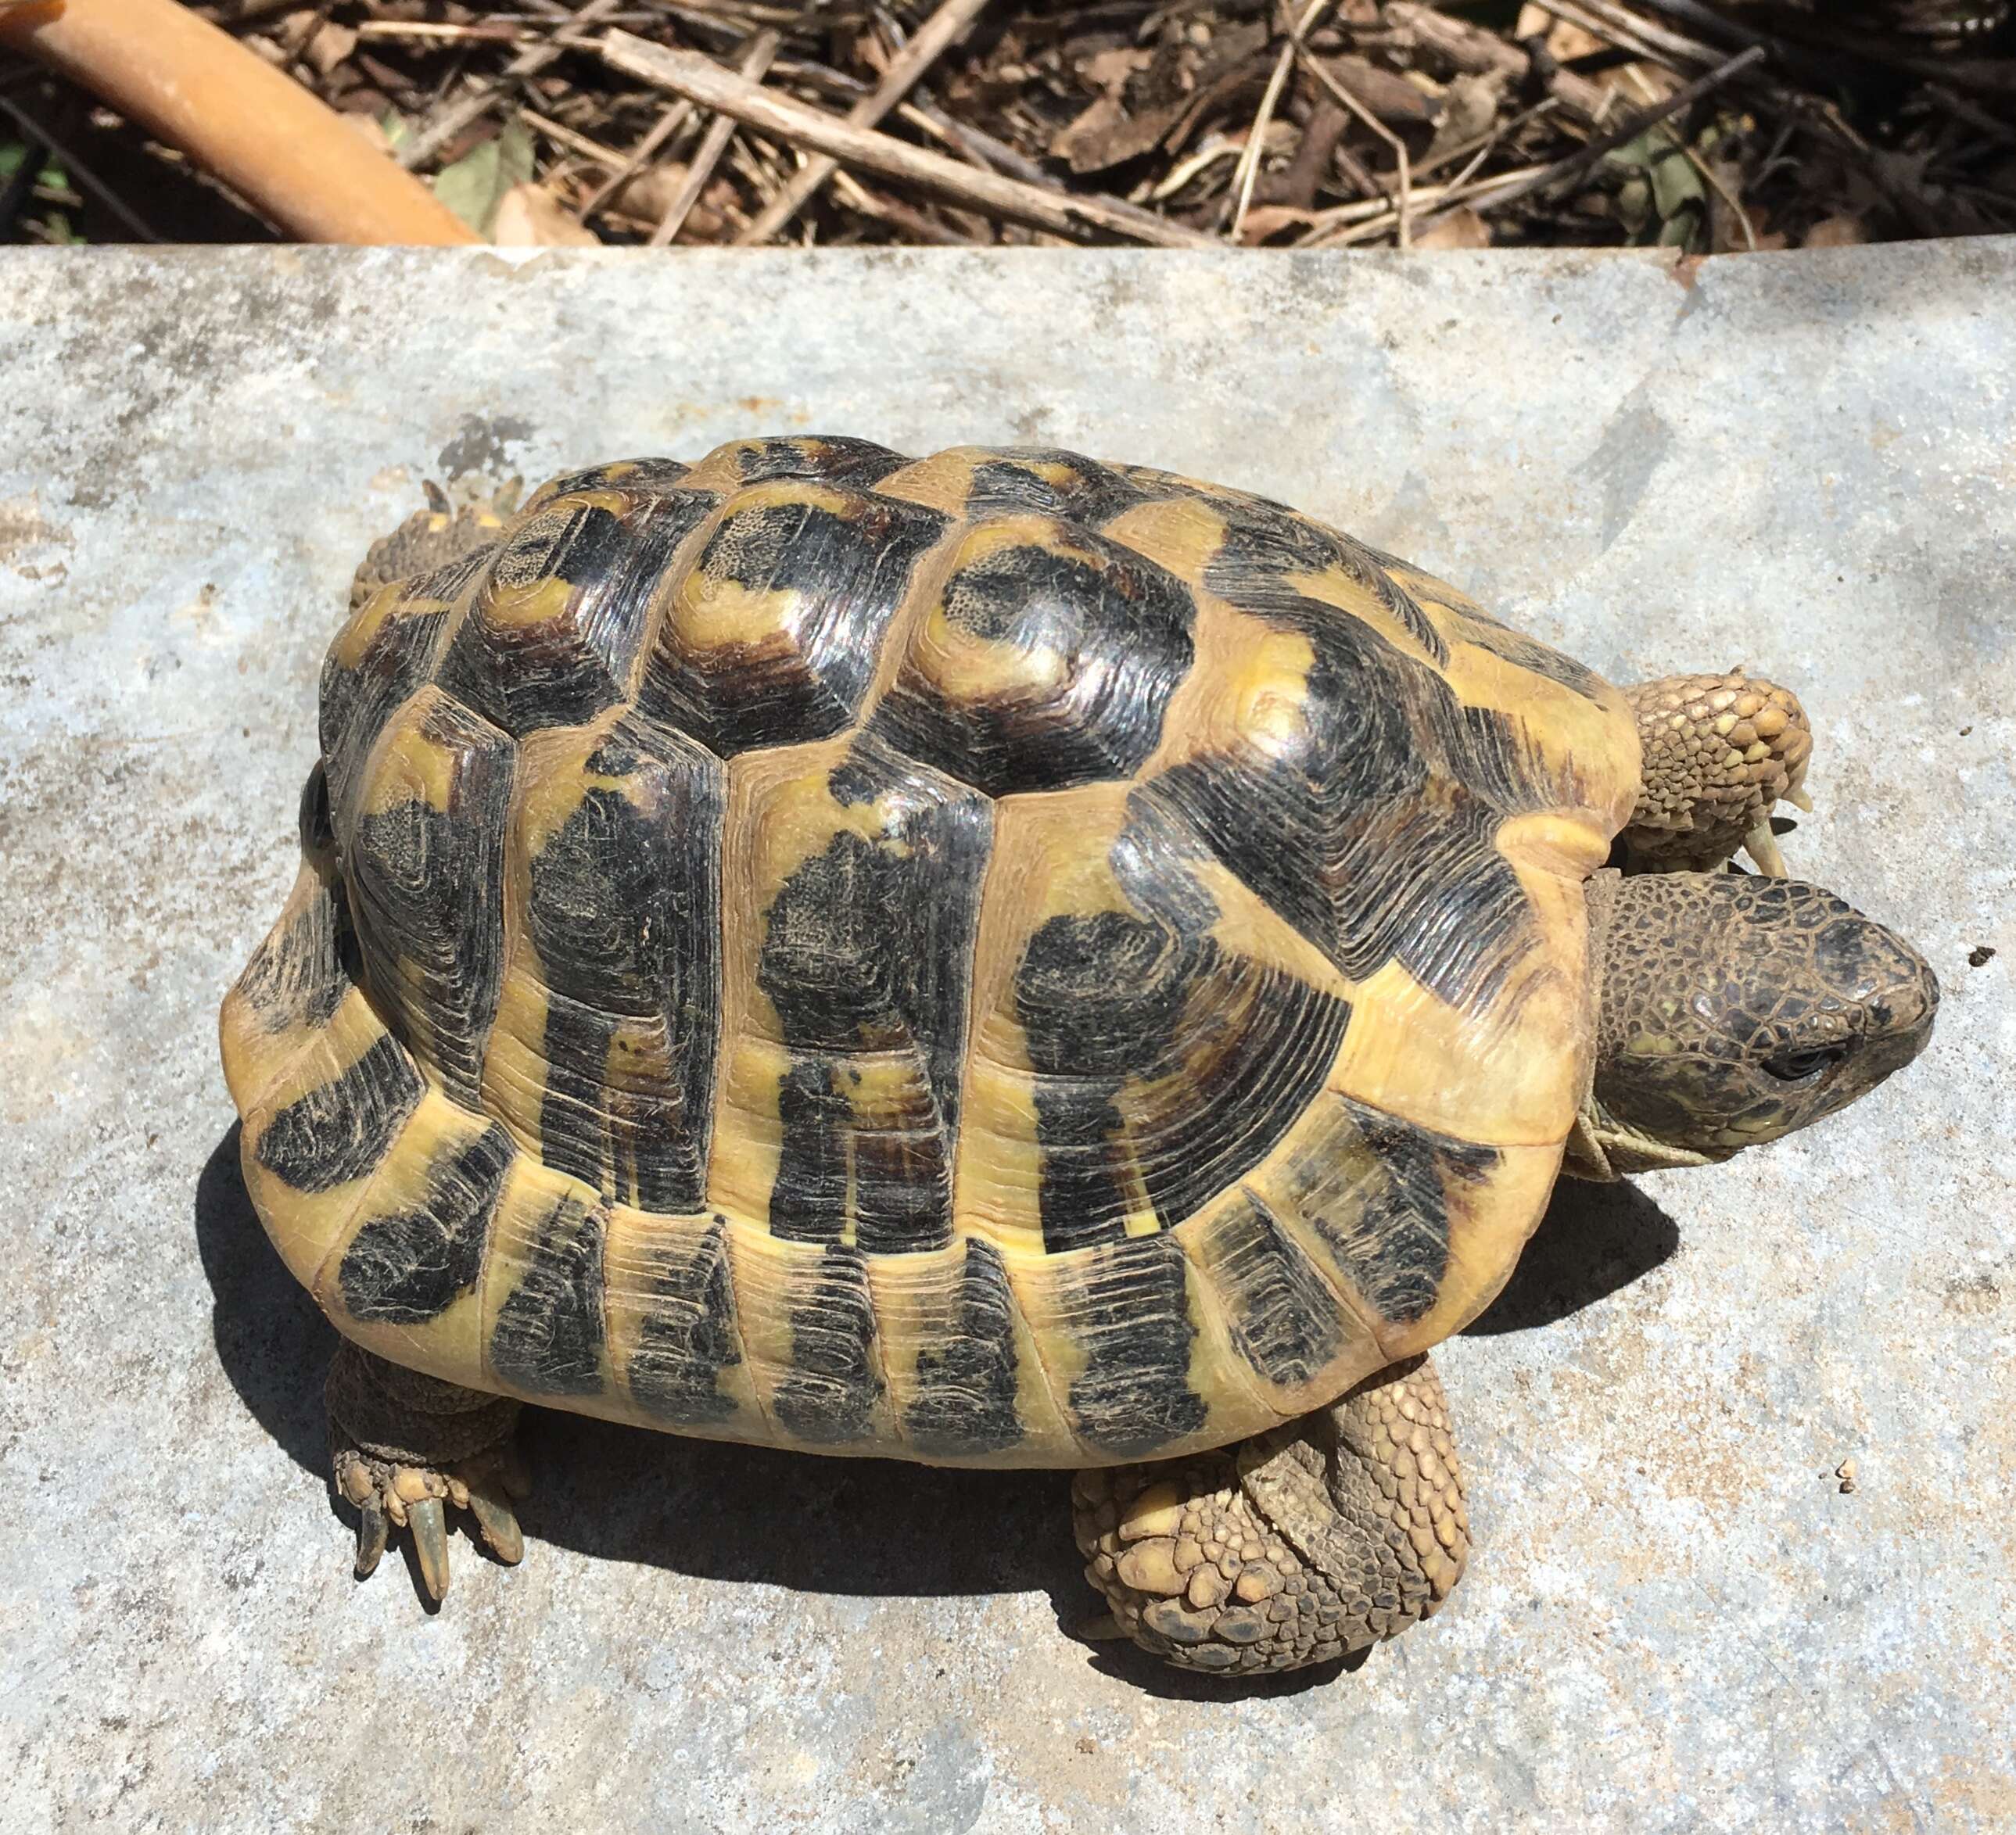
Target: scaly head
1731, 1010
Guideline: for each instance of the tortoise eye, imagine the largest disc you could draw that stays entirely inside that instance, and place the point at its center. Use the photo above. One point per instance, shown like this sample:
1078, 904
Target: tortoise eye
1804, 1065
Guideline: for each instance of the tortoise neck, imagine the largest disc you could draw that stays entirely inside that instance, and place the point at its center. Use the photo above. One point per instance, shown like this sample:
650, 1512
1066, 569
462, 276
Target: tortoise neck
1601, 1148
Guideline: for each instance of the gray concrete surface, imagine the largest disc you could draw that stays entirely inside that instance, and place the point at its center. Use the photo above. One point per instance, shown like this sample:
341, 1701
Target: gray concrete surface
1677, 1618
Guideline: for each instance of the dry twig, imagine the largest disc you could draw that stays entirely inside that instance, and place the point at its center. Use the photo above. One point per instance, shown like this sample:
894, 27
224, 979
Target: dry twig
1578, 162
721, 129
467, 110
703, 81
1399, 146
941, 30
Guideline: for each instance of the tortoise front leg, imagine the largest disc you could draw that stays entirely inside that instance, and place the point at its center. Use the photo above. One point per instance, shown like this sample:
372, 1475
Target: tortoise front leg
403, 1446
1719, 752
1303, 1544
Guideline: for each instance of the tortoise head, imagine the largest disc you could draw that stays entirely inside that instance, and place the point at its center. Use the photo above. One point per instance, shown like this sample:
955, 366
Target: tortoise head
1731, 1010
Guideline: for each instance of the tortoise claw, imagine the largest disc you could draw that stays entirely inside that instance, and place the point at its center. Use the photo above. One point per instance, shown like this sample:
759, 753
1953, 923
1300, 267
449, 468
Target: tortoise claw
372, 1531
389, 1497
428, 1520
494, 1518
1762, 846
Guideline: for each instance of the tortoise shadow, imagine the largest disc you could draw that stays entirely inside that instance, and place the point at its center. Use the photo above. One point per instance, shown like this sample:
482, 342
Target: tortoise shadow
1593, 1240
716, 1510
712, 1509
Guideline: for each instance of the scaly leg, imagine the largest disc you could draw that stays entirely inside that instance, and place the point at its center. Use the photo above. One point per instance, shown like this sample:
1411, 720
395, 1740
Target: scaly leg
403, 1446
1719, 750
1300, 1545
435, 537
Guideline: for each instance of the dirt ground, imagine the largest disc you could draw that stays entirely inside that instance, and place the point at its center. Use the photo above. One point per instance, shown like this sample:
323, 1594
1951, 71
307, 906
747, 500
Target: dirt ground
1744, 124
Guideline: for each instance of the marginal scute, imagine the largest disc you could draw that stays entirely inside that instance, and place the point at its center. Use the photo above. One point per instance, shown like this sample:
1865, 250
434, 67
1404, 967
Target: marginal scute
672, 1302
1115, 1322
340, 1130
418, 1251
808, 1328
389, 647
1284, 1315
826, 457
1372, 1198
307, 963
632, 478
1050, 482
963, 1390
546, 1336
833, 1387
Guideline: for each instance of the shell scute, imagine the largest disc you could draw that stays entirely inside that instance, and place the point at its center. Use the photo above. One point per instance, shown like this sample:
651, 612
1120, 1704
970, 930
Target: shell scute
1045, 659
424, 853
554, 622
772, 629
604, 1053
546, 1336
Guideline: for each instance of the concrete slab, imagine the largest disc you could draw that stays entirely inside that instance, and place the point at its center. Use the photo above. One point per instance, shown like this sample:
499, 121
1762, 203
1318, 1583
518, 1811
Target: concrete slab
1677, 1619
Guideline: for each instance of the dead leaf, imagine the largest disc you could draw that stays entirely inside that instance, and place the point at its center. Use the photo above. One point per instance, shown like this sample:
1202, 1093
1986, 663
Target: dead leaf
1265, 220
329, 47
1470, 108
474, 185
530, 217
1565, 42
1109, 70
650, 194
1105, 134
1460, 228
1392, 98
647, 197
1835, 233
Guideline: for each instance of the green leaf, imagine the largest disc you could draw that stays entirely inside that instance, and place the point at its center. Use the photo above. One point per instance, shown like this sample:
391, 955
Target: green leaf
1636, 154
474, 185
1634, 205
13, 152
1682, 232
1677, 186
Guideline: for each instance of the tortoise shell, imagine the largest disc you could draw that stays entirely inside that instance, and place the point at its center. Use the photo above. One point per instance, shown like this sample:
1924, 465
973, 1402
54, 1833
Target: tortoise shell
993, 957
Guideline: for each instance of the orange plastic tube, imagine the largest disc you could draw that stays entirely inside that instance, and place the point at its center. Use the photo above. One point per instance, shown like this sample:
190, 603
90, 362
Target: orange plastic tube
197, 88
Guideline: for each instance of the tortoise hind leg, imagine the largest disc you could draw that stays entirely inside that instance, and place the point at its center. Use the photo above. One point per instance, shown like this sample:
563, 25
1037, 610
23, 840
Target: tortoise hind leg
1304, 1544
435, 537
1719, 751
404, 1446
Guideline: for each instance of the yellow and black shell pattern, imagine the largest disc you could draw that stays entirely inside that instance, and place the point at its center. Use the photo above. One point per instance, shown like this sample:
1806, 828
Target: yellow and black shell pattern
995, 958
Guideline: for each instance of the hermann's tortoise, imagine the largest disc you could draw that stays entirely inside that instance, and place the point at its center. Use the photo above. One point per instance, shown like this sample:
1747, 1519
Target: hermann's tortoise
1005, 960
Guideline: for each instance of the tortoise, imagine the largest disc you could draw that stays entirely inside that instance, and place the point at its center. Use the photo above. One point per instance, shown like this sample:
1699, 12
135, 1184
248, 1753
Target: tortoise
999, 959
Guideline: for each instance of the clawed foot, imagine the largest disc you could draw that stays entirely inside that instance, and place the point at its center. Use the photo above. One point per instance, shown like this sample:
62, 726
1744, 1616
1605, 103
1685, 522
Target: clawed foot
390, 1495
404, 1446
